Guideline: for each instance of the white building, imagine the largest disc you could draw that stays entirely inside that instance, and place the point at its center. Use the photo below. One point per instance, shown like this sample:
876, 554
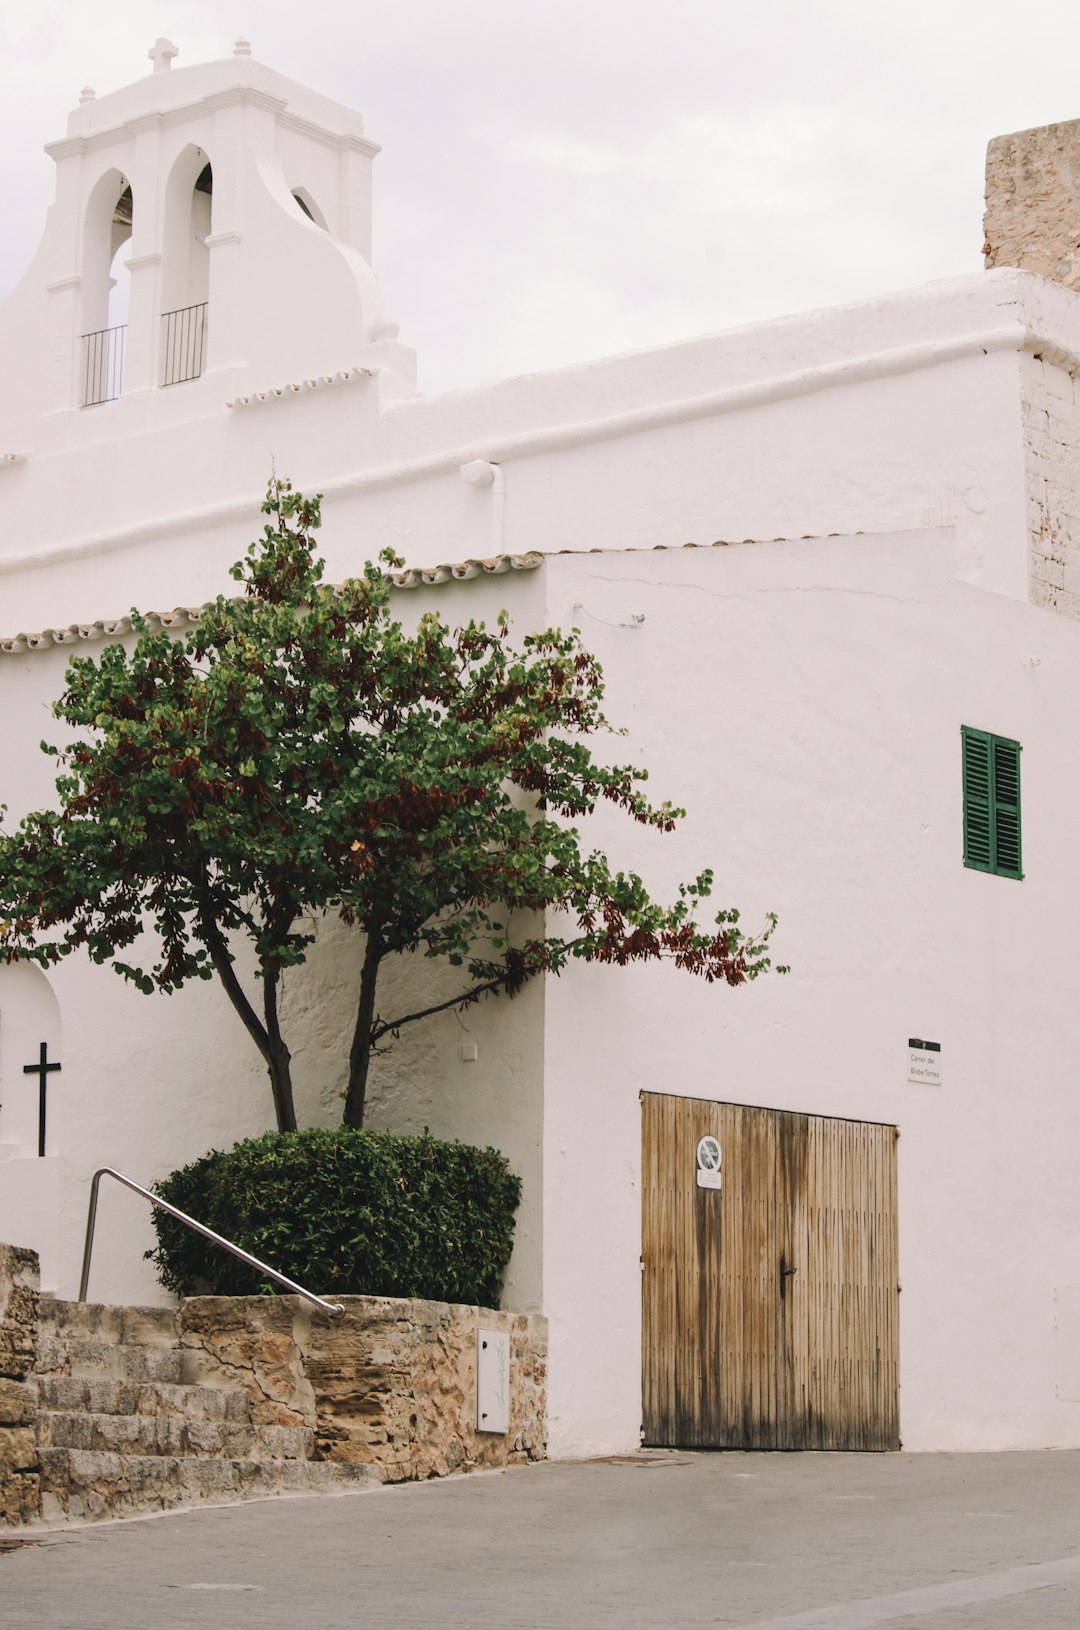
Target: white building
808, 553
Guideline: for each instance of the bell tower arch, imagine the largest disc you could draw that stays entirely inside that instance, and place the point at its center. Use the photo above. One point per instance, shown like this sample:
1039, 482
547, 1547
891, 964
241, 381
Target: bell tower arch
107, 227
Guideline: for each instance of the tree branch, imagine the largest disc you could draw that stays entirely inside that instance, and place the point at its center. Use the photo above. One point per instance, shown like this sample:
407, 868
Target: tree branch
466, 999
214, 940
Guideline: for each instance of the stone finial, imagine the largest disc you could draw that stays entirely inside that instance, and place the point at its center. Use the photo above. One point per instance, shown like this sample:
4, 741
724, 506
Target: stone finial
242, 48
87, 94
161, 54
1032, 215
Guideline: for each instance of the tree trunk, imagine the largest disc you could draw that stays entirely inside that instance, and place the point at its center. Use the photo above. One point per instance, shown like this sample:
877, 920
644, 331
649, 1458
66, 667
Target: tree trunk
279, 1070
360, 1052
267, 1040
278, 1058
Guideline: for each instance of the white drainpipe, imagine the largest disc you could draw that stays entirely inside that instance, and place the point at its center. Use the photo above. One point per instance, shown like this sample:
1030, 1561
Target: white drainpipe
479, 472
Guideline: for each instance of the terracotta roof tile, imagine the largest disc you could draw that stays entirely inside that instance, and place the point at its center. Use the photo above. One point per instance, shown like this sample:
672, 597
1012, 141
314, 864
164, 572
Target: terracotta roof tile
115, 627
409, 577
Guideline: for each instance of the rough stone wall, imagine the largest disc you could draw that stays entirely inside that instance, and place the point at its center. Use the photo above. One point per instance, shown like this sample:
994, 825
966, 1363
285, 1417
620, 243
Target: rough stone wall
258, 1342
1050, 405
393, 1385
1032, 215
20, 1488
1033, 221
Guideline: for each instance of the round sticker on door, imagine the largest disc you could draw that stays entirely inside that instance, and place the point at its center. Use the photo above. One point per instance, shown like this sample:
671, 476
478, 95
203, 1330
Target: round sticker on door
708, 1163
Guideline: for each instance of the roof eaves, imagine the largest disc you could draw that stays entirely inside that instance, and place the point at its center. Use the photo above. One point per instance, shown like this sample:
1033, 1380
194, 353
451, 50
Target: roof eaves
117, 627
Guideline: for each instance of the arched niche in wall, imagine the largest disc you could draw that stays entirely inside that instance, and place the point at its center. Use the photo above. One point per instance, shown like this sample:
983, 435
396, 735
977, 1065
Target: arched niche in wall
309, 207
29, 1019
106, 231
185, 271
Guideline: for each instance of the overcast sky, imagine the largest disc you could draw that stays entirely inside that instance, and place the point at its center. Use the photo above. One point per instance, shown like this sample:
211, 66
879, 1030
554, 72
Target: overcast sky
563, 179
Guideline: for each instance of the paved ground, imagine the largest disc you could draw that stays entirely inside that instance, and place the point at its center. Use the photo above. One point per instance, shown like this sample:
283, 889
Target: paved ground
776, 1542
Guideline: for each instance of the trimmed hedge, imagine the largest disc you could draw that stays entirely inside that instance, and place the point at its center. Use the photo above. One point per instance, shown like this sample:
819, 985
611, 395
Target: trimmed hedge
343, 1213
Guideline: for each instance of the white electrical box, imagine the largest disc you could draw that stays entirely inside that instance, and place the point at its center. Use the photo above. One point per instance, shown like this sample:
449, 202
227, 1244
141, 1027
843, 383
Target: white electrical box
492, 1381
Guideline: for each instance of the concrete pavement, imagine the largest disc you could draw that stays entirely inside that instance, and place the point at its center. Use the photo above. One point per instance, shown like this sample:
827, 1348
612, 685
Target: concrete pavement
773, 1542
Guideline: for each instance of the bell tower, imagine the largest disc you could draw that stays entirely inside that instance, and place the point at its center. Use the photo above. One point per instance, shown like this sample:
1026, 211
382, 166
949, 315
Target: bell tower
210, 239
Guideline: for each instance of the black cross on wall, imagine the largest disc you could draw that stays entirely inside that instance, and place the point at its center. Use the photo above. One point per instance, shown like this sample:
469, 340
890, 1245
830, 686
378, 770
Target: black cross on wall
42, 1069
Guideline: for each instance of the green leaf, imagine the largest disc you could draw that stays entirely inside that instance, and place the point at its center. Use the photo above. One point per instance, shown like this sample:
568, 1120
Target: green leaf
297, 751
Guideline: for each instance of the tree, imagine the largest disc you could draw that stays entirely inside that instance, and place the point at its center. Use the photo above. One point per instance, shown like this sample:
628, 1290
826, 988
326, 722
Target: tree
296, 752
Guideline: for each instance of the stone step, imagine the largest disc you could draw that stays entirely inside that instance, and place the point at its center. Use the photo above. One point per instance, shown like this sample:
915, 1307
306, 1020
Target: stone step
107, 1396
97, 1321
87, 1484
99, 1358
171, 1435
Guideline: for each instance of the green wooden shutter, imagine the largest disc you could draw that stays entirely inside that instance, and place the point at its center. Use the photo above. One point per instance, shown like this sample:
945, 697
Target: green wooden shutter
978, 812
991, 769
1006, 807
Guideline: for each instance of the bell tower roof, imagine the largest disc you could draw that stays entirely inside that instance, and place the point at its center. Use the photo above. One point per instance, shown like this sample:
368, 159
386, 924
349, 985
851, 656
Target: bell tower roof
170, 93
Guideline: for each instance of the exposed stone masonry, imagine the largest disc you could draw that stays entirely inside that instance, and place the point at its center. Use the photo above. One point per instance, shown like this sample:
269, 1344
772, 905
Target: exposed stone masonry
1032, 215
1032, 221
393, 1386
110, 1411
1051, 427
19, 1481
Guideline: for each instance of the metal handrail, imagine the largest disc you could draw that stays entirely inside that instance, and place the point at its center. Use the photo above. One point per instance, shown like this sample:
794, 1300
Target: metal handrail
335, 1309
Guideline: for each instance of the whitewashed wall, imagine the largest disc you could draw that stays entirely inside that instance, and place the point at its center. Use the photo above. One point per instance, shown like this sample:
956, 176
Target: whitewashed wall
899, 414
803, 698
804, 701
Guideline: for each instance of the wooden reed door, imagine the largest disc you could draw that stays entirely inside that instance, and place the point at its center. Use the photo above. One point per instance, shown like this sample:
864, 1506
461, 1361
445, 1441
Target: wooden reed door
770, 1305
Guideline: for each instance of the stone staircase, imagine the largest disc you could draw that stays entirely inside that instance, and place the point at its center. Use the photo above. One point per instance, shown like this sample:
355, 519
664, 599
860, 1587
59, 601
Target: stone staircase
118, 1411
126, 1423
